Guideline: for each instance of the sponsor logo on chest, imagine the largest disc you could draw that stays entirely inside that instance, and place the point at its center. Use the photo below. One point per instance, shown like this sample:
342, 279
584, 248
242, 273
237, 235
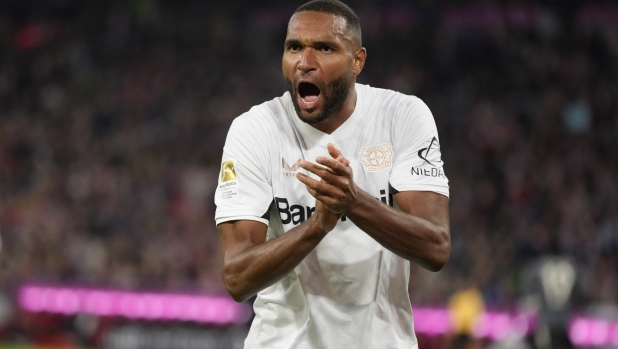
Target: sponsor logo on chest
294, 213
289, 171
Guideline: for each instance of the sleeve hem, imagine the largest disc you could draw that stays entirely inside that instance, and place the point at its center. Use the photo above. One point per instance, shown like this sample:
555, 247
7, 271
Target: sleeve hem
440, 189
220, 220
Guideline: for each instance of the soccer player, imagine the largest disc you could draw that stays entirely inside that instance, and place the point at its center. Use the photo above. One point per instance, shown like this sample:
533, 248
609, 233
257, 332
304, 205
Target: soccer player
327, 193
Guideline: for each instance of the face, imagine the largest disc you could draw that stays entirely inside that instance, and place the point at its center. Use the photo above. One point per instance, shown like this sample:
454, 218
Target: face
319, 64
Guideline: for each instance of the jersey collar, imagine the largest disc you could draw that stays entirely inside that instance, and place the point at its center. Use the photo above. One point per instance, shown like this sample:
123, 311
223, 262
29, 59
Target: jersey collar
342, 133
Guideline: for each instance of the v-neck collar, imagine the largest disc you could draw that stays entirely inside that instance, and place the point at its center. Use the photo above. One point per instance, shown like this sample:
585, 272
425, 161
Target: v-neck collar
344, 131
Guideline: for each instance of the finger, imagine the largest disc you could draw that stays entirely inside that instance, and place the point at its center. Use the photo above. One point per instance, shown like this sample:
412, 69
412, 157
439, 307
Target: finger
320, 171
333, 151
336, 154
330, 184
327, 201
324, 199
319, 187
336, 166
343, 160
306, 180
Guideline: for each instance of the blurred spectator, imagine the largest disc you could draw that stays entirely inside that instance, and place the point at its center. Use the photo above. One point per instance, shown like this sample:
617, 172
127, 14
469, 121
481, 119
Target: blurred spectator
465, 306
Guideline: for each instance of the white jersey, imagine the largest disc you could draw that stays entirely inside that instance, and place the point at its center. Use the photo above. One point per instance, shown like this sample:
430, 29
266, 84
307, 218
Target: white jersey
350, 291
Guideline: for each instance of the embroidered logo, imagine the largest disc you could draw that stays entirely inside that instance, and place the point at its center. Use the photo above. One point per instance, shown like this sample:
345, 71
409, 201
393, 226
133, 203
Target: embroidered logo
289, 171
376, 157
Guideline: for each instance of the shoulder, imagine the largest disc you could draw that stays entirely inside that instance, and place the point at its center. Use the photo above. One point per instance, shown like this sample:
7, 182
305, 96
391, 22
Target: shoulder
262, 119
257, 132
395, 105
384, 95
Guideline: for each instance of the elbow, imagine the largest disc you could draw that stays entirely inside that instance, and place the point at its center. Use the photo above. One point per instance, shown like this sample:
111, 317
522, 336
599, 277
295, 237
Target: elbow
235, 290
238, 297
441, 253
437, 264
234, 286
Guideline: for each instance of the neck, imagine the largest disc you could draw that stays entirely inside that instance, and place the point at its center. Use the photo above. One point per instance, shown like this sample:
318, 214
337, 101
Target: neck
333, 122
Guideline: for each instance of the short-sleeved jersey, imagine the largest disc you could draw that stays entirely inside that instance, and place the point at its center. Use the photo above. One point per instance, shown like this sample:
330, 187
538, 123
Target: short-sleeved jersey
350, 291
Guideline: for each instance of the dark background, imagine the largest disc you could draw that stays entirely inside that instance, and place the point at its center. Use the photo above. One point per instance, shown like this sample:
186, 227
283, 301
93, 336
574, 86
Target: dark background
113, 115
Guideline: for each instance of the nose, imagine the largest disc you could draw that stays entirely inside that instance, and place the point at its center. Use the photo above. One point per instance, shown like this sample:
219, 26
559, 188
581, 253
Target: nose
307, 61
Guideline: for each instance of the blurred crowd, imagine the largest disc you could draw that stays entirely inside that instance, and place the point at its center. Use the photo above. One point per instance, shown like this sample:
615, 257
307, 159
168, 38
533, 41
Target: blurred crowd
113, 116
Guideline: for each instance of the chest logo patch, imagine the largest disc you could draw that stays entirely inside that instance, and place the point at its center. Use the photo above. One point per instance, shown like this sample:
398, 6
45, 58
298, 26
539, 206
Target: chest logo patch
289, 171
377, 157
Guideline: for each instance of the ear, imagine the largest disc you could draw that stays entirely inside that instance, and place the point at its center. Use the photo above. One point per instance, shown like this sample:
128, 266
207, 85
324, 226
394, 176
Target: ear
359, 60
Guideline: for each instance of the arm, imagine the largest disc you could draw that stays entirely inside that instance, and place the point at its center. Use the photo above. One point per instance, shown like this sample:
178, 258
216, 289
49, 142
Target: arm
250, 264
419, 232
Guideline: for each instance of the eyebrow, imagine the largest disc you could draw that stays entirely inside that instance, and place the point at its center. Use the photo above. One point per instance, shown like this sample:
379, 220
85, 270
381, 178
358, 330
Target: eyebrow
326, 43
289, 42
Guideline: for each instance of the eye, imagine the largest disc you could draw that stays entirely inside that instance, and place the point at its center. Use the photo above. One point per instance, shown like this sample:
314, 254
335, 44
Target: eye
326, 49
294, 47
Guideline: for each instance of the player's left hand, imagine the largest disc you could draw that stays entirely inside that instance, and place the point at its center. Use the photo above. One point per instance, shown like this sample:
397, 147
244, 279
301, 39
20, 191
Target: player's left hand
336, 187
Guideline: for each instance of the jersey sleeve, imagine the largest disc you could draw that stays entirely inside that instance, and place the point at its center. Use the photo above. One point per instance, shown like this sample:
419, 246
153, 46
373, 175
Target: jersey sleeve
418, 162
244, 191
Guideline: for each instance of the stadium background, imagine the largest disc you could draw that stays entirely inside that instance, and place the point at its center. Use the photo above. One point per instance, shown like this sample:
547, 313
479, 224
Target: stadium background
112, 119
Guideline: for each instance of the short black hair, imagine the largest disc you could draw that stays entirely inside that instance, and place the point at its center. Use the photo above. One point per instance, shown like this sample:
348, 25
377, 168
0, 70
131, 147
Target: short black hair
336, 8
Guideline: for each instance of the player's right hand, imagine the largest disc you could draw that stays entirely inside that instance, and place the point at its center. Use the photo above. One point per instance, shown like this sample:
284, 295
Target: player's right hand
335, 185
326, 219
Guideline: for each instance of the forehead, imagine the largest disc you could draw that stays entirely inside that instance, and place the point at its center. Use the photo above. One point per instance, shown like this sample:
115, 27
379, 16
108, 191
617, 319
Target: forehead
317, 26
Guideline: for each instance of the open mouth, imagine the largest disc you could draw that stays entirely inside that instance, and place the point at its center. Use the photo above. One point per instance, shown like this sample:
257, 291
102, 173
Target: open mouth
308, 94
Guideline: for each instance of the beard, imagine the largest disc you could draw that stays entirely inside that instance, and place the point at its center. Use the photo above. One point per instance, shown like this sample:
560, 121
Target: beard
334, 95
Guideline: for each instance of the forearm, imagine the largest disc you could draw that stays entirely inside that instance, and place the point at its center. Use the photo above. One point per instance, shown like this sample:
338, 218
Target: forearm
256, 267
409, 236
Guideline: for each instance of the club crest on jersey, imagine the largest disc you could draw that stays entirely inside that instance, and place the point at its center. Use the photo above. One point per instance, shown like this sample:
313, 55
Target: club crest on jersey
377, 157
289, 171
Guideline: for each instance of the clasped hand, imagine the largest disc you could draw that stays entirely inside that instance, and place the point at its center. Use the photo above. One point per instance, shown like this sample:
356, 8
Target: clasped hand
336, 188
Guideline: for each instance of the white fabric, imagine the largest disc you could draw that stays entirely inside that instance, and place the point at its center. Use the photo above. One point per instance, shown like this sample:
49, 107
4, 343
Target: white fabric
350, 291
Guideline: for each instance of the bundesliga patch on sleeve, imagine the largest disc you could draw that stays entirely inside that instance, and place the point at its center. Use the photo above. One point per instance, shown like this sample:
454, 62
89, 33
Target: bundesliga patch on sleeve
228, 183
